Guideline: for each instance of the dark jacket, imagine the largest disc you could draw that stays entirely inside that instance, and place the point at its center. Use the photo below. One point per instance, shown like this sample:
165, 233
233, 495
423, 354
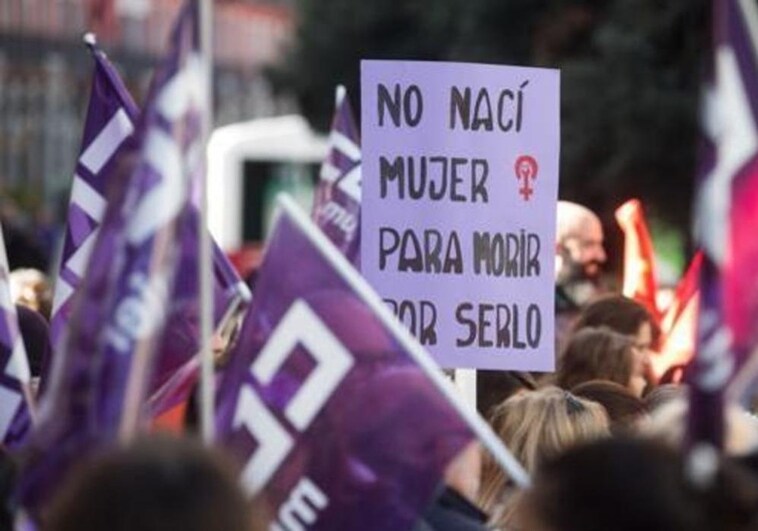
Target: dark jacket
452, 512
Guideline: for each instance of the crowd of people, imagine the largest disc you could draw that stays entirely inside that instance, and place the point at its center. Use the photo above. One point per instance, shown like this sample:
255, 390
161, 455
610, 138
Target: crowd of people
603, 440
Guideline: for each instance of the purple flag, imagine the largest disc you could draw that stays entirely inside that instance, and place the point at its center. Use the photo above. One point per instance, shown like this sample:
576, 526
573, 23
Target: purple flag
337, 205
729, 178
176, 372
108, 125
332, 408
120, 310
15, 395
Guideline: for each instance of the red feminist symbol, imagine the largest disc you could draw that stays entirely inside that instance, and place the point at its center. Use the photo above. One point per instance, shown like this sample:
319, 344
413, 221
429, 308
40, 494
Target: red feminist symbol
526, 171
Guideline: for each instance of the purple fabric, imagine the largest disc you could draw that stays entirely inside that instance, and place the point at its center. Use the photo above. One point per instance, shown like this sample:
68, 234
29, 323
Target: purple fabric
728, 161
109, 101
382, 434
337, 205
120, 310
180, 340
15, 377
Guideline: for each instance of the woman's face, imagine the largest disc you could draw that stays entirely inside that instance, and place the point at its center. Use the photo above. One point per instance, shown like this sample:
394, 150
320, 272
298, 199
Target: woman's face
641, 349
644, 337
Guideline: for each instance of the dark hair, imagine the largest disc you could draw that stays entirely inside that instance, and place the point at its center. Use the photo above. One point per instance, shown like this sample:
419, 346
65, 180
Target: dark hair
620, 314
8, 475
35, 333
493, 387
628, 485
624, 408
156, 484
663, 394
596, 354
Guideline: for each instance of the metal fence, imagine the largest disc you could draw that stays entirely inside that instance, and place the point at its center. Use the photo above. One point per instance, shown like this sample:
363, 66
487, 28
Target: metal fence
246, 34
43, 91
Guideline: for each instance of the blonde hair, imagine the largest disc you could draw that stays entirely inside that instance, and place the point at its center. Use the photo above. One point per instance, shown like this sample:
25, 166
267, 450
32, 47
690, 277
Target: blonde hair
30, 288
536, 425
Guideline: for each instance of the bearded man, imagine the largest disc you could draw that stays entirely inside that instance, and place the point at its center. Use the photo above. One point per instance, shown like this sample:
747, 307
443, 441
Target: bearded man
579, 257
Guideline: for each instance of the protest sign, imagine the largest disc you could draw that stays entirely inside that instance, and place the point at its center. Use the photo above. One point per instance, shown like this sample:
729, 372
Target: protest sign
460, 167
339, 417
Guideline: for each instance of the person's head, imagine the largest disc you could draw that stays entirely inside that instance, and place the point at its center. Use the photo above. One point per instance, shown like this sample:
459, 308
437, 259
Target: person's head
157, 484
625, 409
668, 423
663, 394
628, 485
492, 387
602, 354
579, 251
534, 426
30, 287
623, 315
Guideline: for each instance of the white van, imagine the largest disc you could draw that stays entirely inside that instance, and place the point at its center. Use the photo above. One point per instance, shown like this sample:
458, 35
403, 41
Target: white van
249, 163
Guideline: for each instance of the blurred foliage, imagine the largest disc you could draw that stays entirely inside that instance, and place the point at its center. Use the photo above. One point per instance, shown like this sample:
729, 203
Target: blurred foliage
630, 77
629, 123
24, 198
332, 36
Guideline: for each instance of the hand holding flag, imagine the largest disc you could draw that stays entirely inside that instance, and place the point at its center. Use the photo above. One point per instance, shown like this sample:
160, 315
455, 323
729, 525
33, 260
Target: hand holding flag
640, 282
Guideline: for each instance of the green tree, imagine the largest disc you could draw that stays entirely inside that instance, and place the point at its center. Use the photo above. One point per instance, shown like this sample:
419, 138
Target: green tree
332, 36
529, 32
630, 108
630, 77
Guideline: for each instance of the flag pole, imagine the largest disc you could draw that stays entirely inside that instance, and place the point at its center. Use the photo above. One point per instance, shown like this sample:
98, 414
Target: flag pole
206, 312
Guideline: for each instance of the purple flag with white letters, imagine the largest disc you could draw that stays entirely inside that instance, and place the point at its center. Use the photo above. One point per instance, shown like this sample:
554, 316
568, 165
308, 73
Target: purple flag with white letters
109, 123
337, 205
15, 395
120, 310
726, 202
338, 417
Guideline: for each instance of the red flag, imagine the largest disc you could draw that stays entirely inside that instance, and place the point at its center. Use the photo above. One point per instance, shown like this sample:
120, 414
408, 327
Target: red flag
686, 290
640, 281
679, 323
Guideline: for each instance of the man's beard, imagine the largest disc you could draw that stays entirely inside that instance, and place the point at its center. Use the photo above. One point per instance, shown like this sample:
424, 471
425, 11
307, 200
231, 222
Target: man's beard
577, 282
